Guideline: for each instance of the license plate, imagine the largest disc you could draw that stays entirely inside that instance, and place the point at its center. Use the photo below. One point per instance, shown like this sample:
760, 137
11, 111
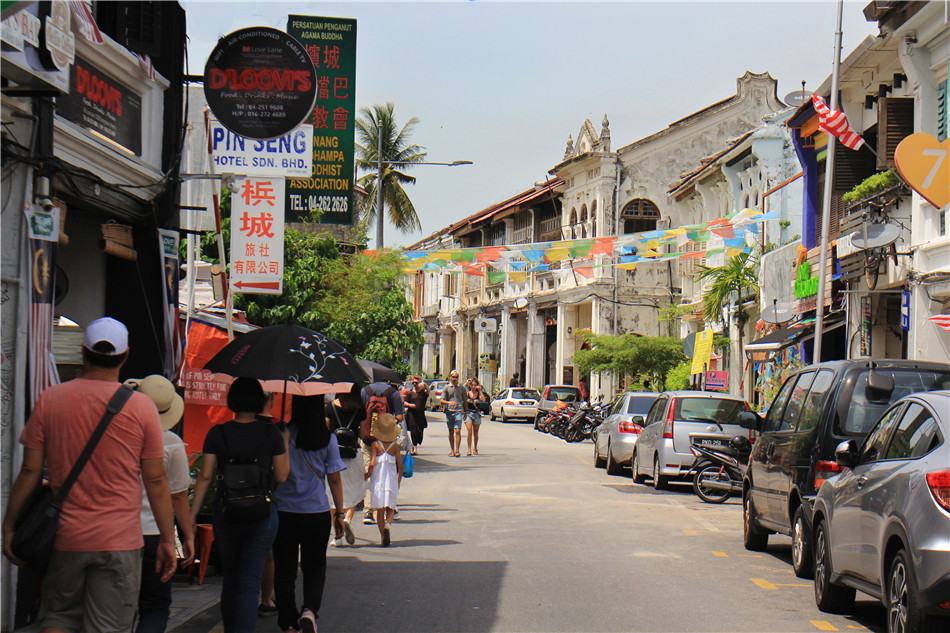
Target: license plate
526, 403
708, 442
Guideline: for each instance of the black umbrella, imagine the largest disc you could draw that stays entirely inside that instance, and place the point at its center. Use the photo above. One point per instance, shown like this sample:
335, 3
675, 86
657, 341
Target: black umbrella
290, 359
379, 372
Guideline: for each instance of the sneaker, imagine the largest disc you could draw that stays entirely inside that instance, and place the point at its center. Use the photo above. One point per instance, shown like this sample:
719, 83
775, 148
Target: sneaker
337, 542
307, 622
396, 514
266, 609
348, 533
368, 518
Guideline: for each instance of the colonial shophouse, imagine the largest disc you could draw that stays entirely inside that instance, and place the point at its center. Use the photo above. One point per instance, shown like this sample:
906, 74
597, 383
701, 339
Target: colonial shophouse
529, 324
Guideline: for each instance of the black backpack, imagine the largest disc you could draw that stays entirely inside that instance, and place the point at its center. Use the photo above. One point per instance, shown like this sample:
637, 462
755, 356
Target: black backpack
244, 483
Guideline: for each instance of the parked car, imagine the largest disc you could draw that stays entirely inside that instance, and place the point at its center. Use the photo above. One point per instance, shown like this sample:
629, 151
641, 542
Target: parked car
550, 394
616, 436
677, 420
883, 525
435, 394
816, 409
515, 403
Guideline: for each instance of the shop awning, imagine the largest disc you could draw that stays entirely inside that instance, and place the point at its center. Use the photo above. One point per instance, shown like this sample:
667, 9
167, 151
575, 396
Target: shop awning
766, 347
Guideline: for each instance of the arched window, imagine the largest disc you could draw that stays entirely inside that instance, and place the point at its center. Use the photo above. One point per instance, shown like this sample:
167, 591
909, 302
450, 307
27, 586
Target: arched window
572, 225
582, 229
593, 219
639, 215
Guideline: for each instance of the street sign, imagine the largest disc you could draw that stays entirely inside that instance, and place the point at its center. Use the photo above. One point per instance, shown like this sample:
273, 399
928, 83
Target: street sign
922, 162
717, 380
288, 156
486, 324
259, 82
257, 236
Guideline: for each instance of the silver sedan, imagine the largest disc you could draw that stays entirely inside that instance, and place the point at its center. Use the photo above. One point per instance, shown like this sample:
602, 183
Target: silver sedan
616, 436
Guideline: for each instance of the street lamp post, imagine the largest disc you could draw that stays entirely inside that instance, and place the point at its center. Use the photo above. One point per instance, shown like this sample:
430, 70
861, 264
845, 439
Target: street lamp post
379, 182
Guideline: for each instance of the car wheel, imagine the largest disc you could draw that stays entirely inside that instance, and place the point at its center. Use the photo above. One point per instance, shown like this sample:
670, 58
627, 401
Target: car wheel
638, 478
753, 538
504, 418
828, 597
902, 600
613, 468
659, 481
802, 563
492, 414
599, 462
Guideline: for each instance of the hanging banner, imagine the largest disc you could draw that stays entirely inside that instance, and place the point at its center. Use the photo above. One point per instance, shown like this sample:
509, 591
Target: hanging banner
170, 268
327, 196
702, 351
257, 236
43, 230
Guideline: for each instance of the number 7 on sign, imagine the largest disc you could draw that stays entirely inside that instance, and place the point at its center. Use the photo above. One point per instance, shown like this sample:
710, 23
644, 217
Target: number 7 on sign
922, 162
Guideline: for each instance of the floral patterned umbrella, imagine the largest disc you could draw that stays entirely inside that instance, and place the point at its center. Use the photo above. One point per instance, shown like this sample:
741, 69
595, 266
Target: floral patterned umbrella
290, 359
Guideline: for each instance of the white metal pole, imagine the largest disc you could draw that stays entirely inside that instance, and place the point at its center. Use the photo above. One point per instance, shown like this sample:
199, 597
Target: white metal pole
826, 199
379, 186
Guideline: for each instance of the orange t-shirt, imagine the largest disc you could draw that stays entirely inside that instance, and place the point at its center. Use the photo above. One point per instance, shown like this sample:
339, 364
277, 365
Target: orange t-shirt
101, 511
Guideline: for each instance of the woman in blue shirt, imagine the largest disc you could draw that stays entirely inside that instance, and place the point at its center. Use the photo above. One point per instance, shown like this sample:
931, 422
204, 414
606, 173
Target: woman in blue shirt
303, 511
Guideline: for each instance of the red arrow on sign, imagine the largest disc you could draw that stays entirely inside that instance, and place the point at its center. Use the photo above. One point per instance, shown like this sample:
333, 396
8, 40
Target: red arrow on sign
263, 285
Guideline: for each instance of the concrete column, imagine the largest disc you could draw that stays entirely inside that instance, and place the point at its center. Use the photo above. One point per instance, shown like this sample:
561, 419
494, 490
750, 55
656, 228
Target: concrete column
447, 354
428, 358
534, 355
566, 320
509, 337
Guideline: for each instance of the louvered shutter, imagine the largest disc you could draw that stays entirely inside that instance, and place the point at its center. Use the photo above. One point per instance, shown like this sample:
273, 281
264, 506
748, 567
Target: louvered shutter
895, 122
942, 112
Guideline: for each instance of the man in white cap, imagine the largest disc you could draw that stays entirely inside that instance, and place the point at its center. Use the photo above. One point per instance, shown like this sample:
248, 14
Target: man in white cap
92, 580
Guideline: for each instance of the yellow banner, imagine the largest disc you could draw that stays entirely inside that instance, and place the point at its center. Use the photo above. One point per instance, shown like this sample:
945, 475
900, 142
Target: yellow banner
702, 351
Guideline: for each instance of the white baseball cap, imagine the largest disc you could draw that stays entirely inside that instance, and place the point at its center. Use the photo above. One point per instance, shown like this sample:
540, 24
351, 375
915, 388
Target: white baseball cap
106, 330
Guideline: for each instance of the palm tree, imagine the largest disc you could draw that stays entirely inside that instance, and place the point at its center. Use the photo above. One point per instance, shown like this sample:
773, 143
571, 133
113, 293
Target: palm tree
375, 124
738, 275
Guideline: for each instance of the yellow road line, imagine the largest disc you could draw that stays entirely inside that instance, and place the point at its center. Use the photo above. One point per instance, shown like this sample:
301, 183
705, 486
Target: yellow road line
721, 554
765, 584
750, 555
822, 625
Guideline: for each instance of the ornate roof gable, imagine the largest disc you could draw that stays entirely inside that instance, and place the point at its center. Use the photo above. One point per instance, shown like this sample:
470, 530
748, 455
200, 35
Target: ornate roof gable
588, 140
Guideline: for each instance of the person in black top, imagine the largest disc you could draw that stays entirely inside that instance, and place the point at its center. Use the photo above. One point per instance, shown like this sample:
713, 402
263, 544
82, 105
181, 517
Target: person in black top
347, 412
416, 411
242, 546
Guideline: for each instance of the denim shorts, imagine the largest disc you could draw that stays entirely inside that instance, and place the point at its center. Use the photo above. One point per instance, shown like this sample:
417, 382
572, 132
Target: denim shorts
453, 419
474, 416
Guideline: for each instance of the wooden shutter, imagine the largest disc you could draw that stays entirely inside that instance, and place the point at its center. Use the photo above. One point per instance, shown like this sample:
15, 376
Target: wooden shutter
895, 117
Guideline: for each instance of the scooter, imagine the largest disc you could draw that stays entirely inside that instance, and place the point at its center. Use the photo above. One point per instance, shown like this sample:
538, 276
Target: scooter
717, 473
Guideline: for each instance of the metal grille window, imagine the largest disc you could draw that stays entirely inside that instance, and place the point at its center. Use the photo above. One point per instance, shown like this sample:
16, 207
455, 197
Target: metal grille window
498, 234
550, 223
639, 215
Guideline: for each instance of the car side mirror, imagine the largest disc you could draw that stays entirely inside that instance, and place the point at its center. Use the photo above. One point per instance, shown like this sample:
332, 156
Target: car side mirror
637, 419
751, 420
846, 454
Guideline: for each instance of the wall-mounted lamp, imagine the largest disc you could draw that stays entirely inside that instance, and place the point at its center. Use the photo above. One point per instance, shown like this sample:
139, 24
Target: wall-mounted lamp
869, 101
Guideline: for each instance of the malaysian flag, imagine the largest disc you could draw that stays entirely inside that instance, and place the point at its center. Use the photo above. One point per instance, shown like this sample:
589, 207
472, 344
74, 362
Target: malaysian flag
836, 124
86, 23
942, 320
44, 235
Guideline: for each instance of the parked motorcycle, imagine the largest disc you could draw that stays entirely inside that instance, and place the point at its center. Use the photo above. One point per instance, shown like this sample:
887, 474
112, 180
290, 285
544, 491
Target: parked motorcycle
546, 423
584, 420
717, 471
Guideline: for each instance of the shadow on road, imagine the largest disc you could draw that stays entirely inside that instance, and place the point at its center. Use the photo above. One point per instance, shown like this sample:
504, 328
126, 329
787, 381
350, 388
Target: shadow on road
394, 595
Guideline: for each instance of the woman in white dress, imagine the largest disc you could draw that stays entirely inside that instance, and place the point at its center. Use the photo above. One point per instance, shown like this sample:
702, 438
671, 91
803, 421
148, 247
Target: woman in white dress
385, 473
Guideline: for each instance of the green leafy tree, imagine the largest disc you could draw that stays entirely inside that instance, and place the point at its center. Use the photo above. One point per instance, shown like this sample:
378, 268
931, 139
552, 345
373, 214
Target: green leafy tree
677, 379
630, 354
397, 148
736, 278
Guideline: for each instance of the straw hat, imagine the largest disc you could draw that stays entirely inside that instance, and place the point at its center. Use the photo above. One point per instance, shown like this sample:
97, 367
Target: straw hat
384, 427
162, 392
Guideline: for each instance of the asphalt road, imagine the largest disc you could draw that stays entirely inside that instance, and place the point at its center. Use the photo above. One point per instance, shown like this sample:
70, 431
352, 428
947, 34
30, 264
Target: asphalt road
529, 536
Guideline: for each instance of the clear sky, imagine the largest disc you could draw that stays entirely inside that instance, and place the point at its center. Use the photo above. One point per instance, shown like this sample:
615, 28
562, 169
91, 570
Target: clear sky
503, 84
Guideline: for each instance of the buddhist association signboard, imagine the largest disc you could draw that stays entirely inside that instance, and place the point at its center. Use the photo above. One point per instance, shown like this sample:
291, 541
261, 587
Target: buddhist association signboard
260, 82
327, 194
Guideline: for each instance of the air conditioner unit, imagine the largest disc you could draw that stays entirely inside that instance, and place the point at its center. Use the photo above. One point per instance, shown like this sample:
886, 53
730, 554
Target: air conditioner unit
486, 324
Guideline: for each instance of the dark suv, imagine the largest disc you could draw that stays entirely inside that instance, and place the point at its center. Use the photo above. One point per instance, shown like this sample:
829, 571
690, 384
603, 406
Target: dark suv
817, 408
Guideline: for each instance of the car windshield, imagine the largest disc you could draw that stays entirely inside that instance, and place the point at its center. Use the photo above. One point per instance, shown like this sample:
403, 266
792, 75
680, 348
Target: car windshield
564, 394
640, 404
528, 394
708, 410
867, 405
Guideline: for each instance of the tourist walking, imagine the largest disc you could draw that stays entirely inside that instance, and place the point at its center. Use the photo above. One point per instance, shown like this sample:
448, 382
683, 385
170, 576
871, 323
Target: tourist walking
155, 596
377, 397
416, 421
385, 474
93, 574
455, 404
473, 419
303, 513
250, 453
344, 416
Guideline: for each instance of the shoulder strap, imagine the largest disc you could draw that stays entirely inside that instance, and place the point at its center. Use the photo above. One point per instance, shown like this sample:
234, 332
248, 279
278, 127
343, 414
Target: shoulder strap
118, 400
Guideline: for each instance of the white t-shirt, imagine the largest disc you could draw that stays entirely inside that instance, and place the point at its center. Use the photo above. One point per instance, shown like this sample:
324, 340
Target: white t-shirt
176, 467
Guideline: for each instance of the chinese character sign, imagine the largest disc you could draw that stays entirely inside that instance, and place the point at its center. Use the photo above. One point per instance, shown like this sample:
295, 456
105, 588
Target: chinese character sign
327, 196
257, 236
